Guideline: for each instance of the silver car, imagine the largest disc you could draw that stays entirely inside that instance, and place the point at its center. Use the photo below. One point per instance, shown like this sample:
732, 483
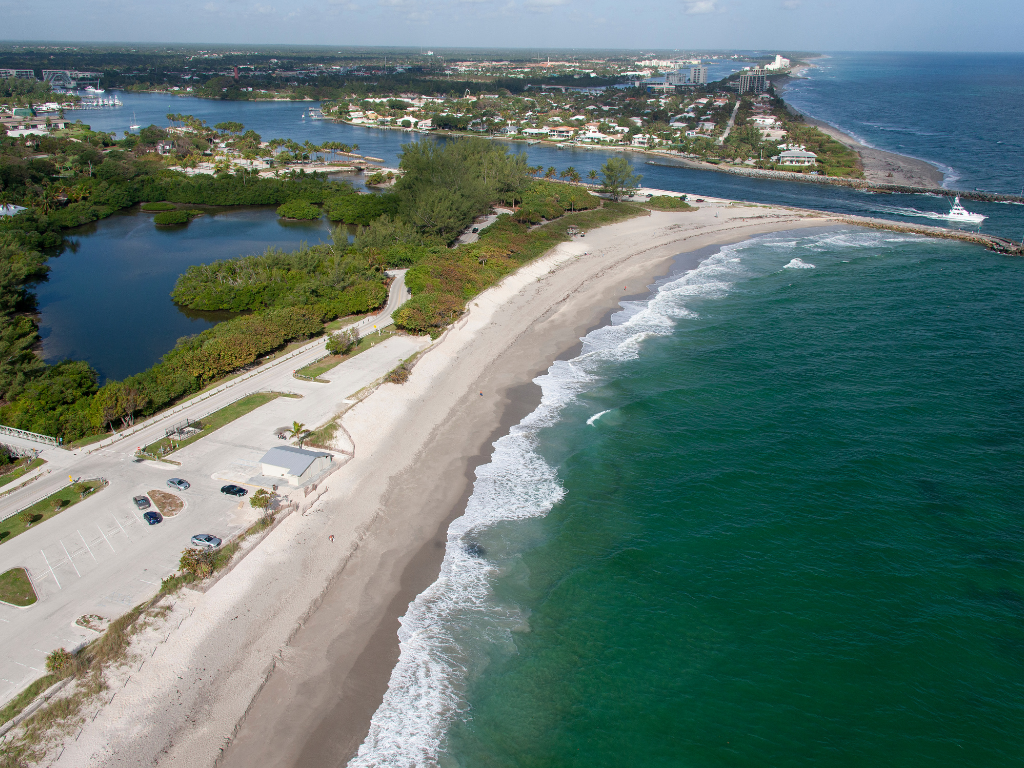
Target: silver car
177, 482
205, 541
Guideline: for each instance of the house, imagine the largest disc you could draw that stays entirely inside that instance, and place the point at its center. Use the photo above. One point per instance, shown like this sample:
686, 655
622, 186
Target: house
11, 210
510, 130
535, 131
294, 465
425, 125
764, 121
644, 140
797, 157
561, 132
706, 126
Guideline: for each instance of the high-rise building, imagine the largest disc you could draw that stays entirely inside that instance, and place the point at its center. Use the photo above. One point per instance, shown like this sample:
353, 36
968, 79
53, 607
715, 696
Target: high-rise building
753, 81
699, 75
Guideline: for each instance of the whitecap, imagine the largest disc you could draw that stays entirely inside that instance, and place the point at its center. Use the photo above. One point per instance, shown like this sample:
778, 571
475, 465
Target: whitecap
798, 264
595, 417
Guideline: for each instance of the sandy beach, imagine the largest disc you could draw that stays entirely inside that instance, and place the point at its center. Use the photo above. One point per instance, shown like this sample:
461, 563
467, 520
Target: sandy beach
284, 660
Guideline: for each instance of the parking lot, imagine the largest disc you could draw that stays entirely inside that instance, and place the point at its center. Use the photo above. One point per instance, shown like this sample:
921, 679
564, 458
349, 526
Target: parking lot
100, 556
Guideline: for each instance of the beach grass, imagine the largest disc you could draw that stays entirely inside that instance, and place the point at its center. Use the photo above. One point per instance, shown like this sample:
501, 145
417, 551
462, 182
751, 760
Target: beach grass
16, 588
17, 705
20, 470
215, 421
46, 508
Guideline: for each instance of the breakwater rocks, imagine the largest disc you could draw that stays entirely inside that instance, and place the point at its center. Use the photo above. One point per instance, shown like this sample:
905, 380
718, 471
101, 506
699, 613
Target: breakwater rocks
837, 181
997, 244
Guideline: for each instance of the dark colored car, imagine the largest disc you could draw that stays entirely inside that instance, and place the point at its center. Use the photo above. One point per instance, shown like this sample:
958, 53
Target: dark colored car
233, 490
177, 482
205, 540
141, 502
152, 517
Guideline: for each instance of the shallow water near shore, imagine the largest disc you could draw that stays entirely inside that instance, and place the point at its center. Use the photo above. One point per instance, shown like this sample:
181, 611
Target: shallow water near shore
769, 516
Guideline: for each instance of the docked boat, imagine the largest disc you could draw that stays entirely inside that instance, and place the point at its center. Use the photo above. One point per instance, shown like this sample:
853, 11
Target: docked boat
960, 214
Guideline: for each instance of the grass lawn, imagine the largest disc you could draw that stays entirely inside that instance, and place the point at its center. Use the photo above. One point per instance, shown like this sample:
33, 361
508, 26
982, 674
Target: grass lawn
88, 440
216, 420
323, 365
20, 470
15, 588
46, 508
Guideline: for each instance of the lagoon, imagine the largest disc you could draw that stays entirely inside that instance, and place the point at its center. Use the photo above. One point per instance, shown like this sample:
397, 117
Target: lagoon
107, 298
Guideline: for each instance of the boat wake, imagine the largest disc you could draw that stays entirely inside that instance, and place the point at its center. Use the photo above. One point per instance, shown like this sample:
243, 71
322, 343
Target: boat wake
595, 417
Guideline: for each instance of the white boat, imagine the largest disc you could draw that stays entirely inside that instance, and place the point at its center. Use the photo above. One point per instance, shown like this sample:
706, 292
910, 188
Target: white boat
134, 126
93, 91
962, 215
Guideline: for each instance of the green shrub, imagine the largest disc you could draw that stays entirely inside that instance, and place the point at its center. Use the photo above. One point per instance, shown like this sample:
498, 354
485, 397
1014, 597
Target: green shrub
168, 218
158, 207
669, 203
299, 209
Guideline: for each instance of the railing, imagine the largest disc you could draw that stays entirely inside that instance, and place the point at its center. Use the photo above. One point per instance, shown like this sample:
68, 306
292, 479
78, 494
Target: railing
47, 494
25, 435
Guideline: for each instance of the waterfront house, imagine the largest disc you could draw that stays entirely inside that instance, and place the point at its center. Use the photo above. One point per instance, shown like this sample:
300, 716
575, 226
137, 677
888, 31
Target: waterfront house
797, 157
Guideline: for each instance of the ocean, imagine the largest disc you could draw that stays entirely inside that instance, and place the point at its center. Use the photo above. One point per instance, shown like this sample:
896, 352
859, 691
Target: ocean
769, 515
962, 112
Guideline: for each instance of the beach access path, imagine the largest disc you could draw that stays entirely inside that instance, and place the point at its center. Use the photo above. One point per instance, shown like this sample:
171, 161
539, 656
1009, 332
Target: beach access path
100, 557
284, 660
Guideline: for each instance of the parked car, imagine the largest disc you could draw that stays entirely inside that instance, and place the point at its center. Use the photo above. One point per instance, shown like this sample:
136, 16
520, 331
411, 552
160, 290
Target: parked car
152, 517
205, 541
234, 490
142, 502
177, 482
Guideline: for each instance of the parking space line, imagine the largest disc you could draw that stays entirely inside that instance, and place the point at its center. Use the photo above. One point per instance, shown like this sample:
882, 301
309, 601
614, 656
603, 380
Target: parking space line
51, 569
122, 528
149, 582
106, 539
87, 546
70, 560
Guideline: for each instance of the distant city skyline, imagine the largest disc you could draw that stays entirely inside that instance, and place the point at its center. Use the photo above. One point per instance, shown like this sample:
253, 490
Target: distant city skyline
808, 25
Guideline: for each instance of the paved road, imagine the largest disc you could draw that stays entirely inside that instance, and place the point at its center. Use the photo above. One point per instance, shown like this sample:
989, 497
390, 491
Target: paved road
101, 557
731, 123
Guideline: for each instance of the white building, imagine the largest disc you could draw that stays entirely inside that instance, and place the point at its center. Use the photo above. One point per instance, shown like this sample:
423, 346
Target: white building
294, 465
777, 65
797, 157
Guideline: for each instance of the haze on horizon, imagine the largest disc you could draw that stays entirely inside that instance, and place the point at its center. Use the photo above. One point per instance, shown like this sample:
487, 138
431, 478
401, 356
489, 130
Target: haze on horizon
808, 25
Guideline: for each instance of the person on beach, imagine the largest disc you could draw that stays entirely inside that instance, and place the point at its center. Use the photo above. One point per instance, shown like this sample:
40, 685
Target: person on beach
331, 537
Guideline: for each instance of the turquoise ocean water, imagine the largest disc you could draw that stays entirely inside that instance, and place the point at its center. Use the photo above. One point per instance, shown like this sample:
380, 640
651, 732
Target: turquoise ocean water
772, 515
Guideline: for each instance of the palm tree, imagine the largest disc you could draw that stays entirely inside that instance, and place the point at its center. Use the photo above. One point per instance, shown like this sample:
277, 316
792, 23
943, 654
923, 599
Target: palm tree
298, 431
592, 175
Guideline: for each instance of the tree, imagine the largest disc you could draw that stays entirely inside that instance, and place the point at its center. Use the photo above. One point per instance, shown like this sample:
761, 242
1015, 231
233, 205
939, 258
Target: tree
298, 431
341, 343
261, 500
592, 175
550, 172
619, 180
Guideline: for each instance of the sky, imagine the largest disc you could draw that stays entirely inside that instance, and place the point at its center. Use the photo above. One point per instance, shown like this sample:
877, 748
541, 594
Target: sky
791, 25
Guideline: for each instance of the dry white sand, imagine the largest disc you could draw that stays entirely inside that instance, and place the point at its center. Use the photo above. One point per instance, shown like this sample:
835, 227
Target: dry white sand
286, 657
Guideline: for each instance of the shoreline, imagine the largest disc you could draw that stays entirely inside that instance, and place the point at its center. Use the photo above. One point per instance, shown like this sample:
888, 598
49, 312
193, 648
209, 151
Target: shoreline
880, 166
285, 659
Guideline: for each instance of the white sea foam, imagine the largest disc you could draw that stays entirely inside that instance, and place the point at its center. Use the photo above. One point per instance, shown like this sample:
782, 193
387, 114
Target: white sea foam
458, 611
798, 264
595, 417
